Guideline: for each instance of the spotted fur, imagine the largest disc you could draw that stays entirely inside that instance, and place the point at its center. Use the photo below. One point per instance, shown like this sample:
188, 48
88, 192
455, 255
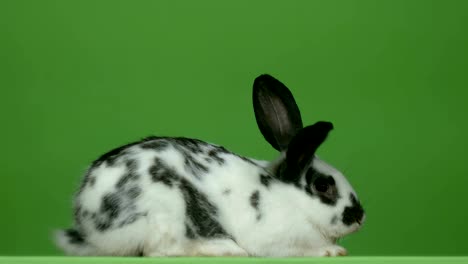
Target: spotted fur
176, 196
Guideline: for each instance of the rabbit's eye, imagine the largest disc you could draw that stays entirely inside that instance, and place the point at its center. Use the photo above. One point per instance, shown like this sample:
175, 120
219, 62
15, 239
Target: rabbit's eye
321, 184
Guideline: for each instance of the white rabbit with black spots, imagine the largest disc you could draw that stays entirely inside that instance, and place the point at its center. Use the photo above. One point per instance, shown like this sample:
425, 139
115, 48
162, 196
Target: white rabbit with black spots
174, 196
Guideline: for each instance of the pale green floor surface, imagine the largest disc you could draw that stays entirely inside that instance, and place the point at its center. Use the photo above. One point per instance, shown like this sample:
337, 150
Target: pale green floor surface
377, 260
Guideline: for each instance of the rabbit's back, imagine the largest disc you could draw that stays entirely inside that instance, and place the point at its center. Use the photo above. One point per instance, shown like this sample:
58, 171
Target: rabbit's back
162, 183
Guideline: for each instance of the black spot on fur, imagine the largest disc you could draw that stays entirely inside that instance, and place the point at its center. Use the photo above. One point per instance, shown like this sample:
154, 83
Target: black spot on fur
126, 178
161, 172
201, 213
227, 191
193, 145
74, 237
111, 156
190, 148
116, 205
111, 205
354, 213
215, 155
133, 192
118, 208
254, 201
155, 144
131, 164
265, 180
193, 165
102, 225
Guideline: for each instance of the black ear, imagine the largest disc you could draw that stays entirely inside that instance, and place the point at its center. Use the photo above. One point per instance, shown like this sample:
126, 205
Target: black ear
276, 111
302, 148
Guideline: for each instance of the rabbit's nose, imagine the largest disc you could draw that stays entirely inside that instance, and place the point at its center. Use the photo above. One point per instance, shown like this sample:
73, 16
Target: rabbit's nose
354, 213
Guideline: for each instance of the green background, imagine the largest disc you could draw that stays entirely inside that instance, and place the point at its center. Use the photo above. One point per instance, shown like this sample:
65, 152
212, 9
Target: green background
78, 78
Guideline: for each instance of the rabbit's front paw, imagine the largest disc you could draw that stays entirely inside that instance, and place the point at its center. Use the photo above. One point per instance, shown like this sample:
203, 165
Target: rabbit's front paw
332, 251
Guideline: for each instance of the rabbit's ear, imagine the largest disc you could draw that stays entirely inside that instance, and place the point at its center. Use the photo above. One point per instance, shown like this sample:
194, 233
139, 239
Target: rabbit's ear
276, 111
302, 149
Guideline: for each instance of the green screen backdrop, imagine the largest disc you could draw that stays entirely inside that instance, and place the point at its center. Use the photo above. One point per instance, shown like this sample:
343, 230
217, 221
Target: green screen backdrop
78, 78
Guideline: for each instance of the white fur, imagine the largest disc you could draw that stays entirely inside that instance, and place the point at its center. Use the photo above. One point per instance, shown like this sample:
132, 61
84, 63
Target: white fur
262, 217
291, 224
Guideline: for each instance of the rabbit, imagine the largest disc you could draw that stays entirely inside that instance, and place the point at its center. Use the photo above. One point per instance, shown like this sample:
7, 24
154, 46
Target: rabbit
177, 196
